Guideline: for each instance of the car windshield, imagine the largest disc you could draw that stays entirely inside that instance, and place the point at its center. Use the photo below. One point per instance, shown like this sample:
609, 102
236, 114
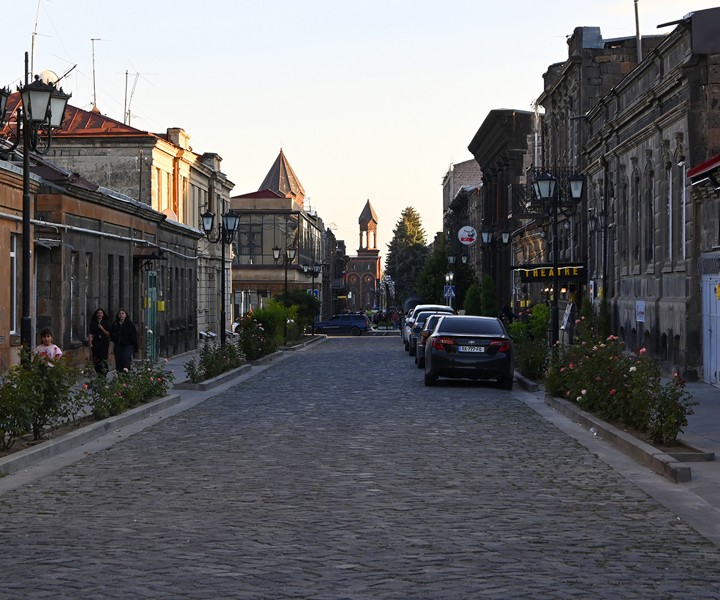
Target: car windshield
471, 325
431, 322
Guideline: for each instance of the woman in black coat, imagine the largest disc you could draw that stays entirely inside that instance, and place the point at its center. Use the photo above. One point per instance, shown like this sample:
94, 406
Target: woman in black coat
124, 337
99, 337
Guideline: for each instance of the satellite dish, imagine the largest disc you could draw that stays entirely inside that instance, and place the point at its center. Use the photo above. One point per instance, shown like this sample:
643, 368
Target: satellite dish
332, 226
48, 76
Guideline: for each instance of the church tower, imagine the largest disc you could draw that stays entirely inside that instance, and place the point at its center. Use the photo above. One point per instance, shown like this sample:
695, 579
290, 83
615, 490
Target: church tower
363, 270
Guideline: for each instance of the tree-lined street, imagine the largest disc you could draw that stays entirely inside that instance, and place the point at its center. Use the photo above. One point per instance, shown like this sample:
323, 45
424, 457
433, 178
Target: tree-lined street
336, 474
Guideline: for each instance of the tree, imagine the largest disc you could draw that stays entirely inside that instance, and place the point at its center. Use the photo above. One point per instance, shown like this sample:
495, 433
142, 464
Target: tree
407, 252
473, 301
487, 297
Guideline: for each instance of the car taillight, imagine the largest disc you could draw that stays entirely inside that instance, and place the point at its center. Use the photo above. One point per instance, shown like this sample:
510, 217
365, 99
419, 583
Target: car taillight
499, 346
443, 344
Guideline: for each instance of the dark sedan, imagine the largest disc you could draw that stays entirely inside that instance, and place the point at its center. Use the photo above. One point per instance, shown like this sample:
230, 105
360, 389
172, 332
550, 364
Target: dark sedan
422, 338
469, 347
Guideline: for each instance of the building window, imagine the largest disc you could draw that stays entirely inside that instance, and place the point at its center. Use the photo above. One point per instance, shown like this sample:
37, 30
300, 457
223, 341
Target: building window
111, 281
14, 285
75, 297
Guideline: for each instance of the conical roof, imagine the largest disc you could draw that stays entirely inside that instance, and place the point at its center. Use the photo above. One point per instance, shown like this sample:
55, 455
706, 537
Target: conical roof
368, 215
282, 179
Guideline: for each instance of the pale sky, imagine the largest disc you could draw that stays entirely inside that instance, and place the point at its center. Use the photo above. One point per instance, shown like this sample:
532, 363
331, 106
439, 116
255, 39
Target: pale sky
369, 100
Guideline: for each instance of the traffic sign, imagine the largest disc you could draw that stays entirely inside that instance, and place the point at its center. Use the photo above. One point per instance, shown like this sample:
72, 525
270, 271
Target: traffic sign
449, 291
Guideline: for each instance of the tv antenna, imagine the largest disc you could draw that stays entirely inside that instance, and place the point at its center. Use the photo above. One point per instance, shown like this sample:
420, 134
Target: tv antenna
128, 102
93, 40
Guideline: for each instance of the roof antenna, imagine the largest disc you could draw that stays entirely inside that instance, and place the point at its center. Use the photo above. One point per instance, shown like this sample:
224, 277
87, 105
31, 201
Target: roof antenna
93, 40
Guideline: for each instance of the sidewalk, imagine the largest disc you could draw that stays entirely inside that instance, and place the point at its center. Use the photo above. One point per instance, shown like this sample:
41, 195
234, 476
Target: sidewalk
703, 429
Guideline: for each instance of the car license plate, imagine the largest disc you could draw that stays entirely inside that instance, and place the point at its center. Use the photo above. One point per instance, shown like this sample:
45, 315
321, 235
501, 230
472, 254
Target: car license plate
472, 349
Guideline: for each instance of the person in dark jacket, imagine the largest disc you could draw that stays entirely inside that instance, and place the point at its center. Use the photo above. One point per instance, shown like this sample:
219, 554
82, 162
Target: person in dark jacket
124, 337
99, 337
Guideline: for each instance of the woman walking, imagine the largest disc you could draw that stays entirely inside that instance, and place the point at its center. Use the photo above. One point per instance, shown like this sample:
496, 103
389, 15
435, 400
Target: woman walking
99, 337
124, 337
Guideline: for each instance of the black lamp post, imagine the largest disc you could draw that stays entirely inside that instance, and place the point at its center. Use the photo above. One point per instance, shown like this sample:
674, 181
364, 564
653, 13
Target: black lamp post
312, 271
287, 259
40, 110
225, 234
560, 191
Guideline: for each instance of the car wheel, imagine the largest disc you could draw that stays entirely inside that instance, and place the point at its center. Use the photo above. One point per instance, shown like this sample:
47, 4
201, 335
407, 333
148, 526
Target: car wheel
506, 383
421, 363
430, 380
413, 349
355, 331
407, 346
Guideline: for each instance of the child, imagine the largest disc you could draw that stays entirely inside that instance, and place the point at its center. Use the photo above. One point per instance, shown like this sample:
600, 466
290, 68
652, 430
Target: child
47, 350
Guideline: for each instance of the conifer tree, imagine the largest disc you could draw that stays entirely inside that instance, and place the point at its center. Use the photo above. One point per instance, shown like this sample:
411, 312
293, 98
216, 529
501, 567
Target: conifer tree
406, 253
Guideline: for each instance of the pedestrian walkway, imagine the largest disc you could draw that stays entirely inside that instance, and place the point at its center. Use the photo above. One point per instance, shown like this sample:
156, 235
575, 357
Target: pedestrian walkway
703, 429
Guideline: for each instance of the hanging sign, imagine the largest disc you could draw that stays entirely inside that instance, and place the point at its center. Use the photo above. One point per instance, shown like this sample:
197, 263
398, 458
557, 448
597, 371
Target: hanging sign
467, 235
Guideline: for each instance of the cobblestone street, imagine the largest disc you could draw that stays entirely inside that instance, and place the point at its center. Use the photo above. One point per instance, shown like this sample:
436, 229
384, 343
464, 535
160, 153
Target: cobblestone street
337, 474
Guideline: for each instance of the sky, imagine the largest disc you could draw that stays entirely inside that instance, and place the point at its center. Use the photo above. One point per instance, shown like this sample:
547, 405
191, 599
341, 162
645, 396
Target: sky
368, 100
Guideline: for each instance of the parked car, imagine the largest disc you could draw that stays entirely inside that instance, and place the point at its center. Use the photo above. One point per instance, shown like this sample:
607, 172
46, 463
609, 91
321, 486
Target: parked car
354, 324
410, 318
418, 324
470, 347
427, 329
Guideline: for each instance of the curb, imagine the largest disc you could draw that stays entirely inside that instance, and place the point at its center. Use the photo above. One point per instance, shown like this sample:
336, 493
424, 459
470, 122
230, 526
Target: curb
208, 384
31, 456
660, 462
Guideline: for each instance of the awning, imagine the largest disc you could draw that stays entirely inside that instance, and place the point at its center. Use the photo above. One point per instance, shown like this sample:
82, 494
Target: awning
704, 169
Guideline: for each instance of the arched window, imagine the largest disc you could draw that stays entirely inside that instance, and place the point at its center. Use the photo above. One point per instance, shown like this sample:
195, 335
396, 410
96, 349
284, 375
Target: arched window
649, 215
635, 216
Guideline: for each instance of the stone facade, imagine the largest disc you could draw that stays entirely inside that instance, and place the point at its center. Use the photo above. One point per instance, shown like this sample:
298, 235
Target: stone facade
163, 172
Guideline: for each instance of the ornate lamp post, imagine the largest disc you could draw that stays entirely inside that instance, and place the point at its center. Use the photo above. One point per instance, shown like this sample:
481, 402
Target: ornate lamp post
312, 271
40, 110
287, 259
225, 234
560, 191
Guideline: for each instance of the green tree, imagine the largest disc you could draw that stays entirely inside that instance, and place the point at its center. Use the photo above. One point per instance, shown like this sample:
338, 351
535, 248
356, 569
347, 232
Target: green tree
473, 300
431, 278
487, 295
308, 307
407, 252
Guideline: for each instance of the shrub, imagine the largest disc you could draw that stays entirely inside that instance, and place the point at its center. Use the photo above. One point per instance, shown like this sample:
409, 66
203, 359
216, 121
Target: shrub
214, 359
602, 378
109, 397
473, 301
529, 334
255, 341
36, 395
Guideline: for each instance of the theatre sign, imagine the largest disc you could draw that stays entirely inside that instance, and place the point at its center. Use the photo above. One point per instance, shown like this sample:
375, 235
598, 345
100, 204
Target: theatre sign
541, 272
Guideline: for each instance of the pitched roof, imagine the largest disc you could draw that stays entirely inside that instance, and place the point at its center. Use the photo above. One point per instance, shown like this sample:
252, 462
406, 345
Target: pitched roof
368, 214
282, 179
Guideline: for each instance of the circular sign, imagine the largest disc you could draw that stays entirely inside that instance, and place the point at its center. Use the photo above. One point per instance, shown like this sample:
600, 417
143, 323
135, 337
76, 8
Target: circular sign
467, 235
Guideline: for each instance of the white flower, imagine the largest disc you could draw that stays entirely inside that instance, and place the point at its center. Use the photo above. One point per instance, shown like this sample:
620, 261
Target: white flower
633, 369
583, 392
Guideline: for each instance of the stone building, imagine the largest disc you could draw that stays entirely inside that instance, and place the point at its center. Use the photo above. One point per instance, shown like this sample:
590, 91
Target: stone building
273, 220
649, 231
163, 172
91, 247
363, 270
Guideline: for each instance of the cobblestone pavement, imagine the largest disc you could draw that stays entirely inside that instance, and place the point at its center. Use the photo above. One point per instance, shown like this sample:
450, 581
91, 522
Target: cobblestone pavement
337, 474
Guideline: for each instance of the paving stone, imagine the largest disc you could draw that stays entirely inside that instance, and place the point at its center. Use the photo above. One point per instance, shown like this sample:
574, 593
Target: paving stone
337, 474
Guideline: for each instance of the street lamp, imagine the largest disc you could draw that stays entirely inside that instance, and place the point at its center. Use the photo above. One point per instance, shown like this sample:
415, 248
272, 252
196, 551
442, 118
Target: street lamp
560, 191
287, 259
225, 234
40, 110
448, 284
312, 271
